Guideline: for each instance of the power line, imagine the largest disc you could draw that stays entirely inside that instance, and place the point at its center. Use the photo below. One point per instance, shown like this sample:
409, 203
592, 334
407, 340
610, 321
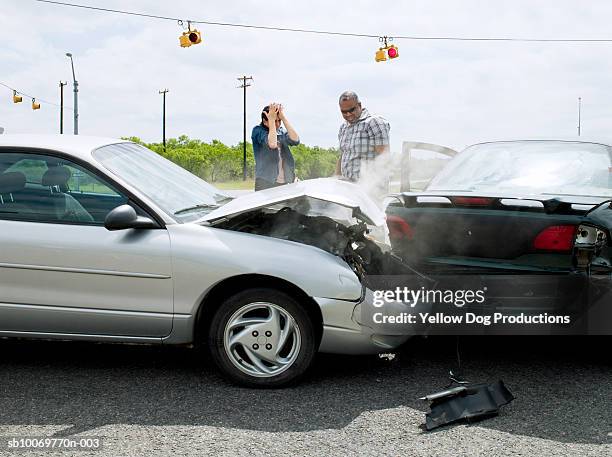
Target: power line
327, 32
31, 96
108, 10
222, 24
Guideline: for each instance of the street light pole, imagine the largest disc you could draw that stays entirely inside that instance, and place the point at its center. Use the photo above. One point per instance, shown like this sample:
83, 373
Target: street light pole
76, 96
244, 86
164, 92
62, 84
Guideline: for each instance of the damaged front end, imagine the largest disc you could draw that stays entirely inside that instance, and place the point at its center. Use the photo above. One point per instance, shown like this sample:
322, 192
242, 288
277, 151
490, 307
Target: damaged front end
335, 216
292, 222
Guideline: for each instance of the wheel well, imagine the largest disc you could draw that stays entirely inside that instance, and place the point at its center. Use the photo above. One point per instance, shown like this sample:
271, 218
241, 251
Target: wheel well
228, 287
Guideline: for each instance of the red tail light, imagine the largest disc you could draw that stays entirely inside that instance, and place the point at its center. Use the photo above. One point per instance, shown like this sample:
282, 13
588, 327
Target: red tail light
556, 238
399, 228
472, 201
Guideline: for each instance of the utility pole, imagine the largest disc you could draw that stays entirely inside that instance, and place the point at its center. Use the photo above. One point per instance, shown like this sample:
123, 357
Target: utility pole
164, 92
244, 86
62, 84
76, 96
579, 109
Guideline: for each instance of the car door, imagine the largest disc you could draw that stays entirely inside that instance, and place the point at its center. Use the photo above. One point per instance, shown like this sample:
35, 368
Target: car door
420, 162
61, 271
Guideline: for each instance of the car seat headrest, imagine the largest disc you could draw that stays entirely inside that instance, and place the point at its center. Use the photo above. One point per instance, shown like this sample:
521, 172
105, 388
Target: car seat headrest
12, 181
56, 176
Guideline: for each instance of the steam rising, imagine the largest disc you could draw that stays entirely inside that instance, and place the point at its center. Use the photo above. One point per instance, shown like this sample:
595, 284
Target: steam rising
375, 175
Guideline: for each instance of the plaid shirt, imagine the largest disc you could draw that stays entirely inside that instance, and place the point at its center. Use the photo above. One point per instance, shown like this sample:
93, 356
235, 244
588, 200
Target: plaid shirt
357, 142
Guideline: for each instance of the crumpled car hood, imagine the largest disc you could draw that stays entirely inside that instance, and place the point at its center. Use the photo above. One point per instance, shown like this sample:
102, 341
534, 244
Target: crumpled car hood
329, 197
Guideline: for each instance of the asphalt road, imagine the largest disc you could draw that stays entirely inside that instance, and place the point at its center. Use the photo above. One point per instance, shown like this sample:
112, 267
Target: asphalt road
148, 401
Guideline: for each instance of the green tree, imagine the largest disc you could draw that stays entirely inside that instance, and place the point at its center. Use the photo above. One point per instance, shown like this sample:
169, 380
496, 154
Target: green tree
217, 162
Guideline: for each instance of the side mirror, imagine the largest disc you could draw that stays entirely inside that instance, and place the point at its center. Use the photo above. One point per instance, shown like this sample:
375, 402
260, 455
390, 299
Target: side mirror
124, 217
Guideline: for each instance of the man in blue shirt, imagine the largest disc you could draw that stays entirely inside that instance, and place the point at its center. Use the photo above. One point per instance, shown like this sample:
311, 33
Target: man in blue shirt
274, 163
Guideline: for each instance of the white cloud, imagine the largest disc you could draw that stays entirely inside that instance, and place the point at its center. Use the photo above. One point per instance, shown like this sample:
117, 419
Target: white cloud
445, 92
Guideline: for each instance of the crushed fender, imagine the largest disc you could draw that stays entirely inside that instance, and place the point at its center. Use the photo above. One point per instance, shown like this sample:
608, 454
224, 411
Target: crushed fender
469, 402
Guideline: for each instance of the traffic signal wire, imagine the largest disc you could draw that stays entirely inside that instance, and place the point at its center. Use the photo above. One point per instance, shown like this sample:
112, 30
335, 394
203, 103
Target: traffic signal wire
18, 92
326, 32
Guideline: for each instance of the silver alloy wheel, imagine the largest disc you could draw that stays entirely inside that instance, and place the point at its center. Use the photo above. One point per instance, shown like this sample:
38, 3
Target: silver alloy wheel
262, 339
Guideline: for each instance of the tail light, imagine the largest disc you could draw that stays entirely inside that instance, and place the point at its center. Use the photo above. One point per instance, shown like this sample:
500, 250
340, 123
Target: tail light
558, 238
399, 228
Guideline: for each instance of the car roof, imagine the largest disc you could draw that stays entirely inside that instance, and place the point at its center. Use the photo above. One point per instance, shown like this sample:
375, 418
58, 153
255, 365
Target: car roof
79, 146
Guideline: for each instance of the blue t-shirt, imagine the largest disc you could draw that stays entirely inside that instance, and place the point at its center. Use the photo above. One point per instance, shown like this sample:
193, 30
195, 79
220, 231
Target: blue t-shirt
266, 159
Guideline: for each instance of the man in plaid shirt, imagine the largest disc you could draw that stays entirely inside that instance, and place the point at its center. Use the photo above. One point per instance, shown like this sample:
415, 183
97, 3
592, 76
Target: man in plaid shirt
362, 137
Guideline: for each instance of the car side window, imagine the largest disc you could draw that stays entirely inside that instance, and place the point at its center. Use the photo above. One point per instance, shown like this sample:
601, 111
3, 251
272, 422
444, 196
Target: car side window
32, 169
44, 188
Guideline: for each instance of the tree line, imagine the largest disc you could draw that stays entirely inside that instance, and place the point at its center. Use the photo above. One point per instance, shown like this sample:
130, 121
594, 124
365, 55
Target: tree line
217, 162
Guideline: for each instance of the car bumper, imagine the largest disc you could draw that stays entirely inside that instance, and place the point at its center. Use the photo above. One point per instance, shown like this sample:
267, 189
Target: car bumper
344, 331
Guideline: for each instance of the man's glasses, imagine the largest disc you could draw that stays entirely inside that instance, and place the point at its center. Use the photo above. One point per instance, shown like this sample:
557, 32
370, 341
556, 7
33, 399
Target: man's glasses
350, 110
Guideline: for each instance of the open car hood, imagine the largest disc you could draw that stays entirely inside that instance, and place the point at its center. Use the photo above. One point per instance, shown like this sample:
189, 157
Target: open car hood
334, 198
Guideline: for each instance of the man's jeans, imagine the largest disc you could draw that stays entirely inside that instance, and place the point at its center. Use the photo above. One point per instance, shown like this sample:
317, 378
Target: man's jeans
261, 184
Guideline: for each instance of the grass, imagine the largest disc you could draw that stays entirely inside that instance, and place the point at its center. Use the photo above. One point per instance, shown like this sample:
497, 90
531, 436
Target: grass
249, 184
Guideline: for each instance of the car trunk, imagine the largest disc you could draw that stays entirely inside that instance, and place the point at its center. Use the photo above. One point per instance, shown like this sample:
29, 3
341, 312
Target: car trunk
441, 232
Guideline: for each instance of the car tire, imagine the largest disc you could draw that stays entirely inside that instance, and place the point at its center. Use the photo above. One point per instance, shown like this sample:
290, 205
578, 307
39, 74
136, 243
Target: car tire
262, 337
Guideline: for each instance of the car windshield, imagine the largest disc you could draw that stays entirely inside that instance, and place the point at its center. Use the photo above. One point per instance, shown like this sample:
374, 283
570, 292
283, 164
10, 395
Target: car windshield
175, 190
532, 167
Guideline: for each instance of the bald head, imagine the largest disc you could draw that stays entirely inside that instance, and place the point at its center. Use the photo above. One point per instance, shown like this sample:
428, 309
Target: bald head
348, 95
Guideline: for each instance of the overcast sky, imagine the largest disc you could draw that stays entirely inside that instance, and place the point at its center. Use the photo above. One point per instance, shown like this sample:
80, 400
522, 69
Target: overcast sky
449, 93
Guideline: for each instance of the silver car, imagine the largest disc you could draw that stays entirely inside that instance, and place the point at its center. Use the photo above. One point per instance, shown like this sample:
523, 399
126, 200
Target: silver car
105, 240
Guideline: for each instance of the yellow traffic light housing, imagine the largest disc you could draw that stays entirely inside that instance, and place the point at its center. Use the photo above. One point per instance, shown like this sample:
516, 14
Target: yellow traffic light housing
195, 37
190, 36
17, 98
184, 40
35, 105
380, 55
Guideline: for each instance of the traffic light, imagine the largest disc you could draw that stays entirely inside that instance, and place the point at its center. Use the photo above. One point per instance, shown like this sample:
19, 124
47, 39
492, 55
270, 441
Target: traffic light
387, 50
35, 105
380, 55
17, 98
393, 52
189, 38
